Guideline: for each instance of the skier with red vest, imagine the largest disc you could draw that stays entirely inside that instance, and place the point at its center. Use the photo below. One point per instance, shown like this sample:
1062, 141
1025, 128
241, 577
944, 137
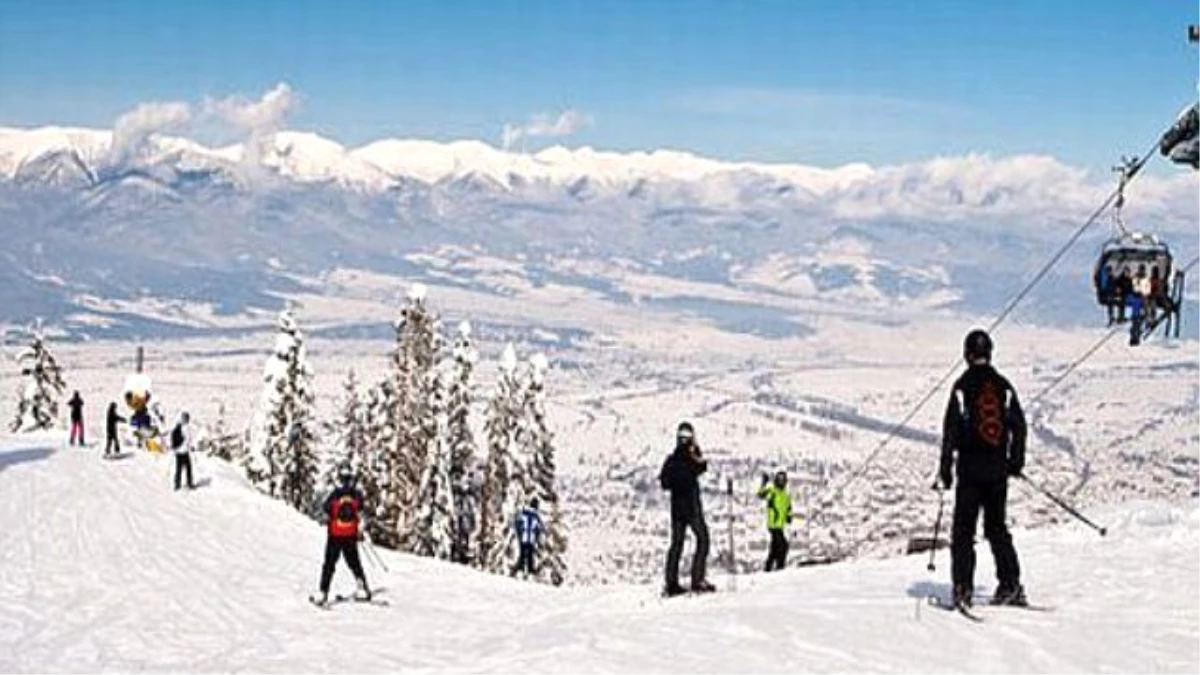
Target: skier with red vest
342, 514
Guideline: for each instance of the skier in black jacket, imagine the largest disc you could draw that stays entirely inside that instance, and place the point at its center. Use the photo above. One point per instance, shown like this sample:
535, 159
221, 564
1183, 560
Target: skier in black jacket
985, 426
112, 445
679, 475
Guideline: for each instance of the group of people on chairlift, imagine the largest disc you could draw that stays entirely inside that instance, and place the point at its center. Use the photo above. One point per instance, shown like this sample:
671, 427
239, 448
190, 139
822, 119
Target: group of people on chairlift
1142, 293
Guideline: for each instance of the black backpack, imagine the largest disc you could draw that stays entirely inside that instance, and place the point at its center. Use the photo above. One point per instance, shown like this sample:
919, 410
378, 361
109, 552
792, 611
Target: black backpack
177, 437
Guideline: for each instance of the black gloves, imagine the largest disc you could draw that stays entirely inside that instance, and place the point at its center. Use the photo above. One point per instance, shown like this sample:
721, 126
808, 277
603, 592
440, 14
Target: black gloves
1015, 468
765, 479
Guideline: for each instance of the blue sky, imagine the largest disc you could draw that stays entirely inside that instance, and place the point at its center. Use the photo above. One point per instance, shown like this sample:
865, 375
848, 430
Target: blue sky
819, 82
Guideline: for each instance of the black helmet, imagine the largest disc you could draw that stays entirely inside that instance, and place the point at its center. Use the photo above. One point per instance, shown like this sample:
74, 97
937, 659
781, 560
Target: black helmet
978, 345
685, 432
533, 503
345, 473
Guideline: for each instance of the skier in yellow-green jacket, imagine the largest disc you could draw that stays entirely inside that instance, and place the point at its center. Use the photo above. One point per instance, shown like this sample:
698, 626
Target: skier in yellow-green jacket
779, 514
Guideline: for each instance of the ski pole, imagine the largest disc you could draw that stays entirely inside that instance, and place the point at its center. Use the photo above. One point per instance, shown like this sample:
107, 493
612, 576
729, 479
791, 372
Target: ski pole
729, 505
1065, 506
373, 554
937, 527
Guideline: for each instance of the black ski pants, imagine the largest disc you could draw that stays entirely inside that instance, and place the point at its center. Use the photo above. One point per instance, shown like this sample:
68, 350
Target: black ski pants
777, 553
969, 499
336, 547
112, 445
183, 463
525, 560
680, 523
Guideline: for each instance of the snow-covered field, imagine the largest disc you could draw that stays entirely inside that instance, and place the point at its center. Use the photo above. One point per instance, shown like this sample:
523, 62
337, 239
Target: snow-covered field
104, 568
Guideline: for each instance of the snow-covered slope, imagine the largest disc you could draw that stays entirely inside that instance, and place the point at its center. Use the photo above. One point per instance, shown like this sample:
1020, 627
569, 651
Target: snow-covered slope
103, 567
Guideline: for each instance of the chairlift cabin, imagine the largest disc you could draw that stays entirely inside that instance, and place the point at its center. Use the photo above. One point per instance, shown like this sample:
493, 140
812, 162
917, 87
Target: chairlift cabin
1133, 253
1136, 254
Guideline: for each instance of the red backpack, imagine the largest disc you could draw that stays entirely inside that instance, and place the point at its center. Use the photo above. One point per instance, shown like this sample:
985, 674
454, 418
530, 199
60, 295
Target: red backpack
343, 516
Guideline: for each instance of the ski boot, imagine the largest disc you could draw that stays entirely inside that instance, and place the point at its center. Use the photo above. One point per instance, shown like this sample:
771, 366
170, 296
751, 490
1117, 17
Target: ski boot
1010, 595
703, 587
673, 590
963, 595
363, 594
319, 599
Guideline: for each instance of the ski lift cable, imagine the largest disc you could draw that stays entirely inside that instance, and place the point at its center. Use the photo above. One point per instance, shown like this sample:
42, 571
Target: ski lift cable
1088, 354
1075, 364
1134, 168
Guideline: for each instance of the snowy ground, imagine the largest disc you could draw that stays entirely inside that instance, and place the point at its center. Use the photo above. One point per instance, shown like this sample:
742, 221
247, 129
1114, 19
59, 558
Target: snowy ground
104, 568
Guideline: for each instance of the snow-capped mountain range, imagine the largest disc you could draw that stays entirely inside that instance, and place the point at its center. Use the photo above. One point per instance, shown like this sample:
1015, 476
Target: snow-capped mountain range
166, 217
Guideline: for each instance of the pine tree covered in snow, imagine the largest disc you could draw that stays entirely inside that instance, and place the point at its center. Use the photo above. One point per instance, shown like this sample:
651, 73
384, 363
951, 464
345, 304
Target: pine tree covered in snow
282, 459
462, 445
349, 433
375, 474
415, 431
431, 529
504, 482
42, 386
221, 442
550, 562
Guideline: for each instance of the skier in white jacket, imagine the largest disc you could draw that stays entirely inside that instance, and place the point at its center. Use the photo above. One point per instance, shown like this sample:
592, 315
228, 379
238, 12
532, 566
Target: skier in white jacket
181, 440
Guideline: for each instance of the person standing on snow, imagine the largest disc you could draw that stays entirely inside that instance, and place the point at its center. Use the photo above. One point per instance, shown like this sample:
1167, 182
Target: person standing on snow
112, 445
985, 426
76, 406
680, 474
779, 515
342, 515
529, 534
181, 440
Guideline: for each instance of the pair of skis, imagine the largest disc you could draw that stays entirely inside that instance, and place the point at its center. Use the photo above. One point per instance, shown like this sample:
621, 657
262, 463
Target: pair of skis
349, 597
969, 613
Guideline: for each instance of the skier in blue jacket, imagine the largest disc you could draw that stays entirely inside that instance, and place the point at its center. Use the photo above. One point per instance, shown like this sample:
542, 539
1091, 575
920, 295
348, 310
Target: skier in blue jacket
529, 534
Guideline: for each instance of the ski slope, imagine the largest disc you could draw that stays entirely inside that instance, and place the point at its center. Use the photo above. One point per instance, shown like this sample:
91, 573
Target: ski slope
104, 568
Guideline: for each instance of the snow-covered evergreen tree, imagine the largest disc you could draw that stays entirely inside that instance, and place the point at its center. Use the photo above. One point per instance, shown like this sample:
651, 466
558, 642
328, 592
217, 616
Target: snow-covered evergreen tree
282, 458
375, 473
461, 440
504, 488
41, 387
349, 433
221, 442
431, 529
415, 431
550, 561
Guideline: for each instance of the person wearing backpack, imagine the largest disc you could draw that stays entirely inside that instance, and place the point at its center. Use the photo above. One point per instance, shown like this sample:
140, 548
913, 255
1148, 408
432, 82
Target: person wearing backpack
680, 475
342, 515
181, 444
529, 530
779, 515
985, 428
